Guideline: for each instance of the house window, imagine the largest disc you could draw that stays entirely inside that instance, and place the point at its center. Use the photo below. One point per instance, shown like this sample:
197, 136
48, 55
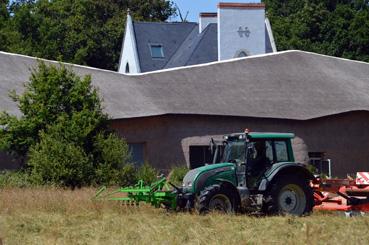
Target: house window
157, 51
199, 155
127, 68
137, 151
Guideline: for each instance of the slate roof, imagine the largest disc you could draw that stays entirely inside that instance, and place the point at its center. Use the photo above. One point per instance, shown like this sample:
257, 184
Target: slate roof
286, 85
182, 44
169, 34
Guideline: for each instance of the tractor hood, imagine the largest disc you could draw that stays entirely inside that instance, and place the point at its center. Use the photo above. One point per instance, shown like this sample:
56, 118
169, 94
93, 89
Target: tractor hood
192, 175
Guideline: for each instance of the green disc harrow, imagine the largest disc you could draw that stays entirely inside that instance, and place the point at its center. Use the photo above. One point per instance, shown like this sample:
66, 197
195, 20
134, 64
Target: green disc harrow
158, 194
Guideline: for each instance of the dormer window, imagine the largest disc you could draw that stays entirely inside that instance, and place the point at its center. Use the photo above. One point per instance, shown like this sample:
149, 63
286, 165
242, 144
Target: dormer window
156, 51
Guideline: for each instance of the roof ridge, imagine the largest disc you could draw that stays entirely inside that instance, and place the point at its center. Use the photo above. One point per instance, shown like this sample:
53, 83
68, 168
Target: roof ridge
246, 58
164, 23
60, 62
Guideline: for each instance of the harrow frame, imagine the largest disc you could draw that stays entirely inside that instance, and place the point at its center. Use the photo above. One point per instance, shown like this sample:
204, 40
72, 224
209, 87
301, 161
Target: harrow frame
158, 194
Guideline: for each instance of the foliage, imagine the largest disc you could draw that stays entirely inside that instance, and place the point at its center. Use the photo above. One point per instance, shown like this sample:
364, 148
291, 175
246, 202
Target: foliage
333, 27
63, 131
177, 174
86, 32
127, 176
18, 179
147, 173
61, 162
112, 155
53, 95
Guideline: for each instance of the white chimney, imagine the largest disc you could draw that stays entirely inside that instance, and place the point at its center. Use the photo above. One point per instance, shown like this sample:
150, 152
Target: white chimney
241, 30
206, 19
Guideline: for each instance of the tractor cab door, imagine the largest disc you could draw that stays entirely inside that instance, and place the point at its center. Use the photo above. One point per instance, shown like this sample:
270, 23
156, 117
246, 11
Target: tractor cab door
260, 157
262, 154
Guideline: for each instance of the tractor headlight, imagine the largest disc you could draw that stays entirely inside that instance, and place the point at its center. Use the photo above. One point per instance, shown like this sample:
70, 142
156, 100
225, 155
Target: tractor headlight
187, 184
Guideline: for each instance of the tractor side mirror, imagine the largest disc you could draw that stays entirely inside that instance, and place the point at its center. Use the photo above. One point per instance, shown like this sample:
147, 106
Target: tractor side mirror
212, 146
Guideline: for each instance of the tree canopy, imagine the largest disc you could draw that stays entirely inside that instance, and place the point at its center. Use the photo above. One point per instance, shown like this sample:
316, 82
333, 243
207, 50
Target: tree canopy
86, 32
63, 132
333, 27
90, 32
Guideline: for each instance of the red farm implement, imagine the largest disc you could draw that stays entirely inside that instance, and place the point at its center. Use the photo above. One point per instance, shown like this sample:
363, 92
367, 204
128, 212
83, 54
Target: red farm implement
348, 195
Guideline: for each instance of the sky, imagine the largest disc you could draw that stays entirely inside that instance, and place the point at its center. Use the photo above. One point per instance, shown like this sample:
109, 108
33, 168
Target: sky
195, 7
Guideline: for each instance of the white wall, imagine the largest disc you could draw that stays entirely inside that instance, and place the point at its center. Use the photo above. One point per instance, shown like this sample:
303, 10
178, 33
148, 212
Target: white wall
129, 50
230, 20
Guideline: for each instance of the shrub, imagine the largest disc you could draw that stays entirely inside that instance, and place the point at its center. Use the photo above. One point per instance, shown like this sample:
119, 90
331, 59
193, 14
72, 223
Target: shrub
128, 175
59, 162
112, 154
15, 179
177, 174
147, 173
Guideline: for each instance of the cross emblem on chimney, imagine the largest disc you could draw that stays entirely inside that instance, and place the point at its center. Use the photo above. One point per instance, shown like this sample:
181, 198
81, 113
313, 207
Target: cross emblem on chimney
244, 32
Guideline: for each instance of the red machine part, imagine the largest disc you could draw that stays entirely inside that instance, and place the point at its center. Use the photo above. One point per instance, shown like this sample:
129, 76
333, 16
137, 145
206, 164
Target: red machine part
341, 194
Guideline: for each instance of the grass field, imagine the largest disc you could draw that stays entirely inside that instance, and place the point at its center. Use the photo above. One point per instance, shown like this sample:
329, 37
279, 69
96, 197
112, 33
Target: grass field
57, 216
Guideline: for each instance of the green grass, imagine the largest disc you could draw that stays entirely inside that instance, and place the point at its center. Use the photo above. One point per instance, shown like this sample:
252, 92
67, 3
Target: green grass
57, 216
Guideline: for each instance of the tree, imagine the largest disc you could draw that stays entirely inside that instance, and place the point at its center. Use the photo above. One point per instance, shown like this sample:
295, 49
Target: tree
63, 131
332, 27
4, 18
86, 32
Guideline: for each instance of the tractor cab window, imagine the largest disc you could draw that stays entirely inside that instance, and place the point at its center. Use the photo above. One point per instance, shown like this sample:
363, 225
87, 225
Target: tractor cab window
260, 154
234, 151
281, 151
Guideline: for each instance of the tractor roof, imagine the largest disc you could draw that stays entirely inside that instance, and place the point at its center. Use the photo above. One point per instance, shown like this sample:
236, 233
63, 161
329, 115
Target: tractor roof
264, 135
256, 135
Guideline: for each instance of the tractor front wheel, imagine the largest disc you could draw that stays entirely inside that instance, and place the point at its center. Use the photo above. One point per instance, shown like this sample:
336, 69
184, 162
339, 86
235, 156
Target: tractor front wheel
215, 198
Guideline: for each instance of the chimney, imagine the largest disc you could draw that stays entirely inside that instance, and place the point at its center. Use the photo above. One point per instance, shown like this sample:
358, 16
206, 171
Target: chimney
241, 30
206, 19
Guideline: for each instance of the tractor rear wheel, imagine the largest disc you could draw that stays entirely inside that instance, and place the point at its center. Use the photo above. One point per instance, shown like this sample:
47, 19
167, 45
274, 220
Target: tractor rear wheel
289, 195
215, 198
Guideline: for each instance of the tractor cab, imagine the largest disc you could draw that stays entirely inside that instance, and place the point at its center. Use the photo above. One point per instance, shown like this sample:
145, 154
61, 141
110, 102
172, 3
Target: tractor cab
253, 153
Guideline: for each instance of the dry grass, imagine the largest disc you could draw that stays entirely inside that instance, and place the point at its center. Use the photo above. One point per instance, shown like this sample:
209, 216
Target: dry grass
56, 216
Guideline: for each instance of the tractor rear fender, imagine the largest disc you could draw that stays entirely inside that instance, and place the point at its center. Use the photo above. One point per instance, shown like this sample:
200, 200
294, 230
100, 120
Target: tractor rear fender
284, 169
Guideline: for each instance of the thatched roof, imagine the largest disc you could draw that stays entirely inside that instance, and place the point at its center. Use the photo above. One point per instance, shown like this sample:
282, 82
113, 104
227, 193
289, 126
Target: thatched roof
286, 85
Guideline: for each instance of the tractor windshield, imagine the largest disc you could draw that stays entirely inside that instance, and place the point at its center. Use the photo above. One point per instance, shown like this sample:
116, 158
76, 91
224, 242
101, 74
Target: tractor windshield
234, 151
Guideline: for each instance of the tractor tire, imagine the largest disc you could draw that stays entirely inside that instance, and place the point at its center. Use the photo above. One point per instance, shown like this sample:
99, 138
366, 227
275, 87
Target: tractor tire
215, 198
290, 195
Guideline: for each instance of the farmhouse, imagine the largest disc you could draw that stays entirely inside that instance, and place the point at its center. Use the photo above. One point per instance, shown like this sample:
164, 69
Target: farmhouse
169, 116
235, 30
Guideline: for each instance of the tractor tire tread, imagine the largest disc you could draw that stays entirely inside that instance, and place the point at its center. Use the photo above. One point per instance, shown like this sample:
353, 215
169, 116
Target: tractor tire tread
207, 194
270, 206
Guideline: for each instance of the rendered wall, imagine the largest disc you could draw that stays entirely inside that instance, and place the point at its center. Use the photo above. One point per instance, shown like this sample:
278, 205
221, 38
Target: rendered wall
240, 29
344, 137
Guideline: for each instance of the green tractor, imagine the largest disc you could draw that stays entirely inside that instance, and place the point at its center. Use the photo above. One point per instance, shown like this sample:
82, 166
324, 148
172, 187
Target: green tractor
251, 172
